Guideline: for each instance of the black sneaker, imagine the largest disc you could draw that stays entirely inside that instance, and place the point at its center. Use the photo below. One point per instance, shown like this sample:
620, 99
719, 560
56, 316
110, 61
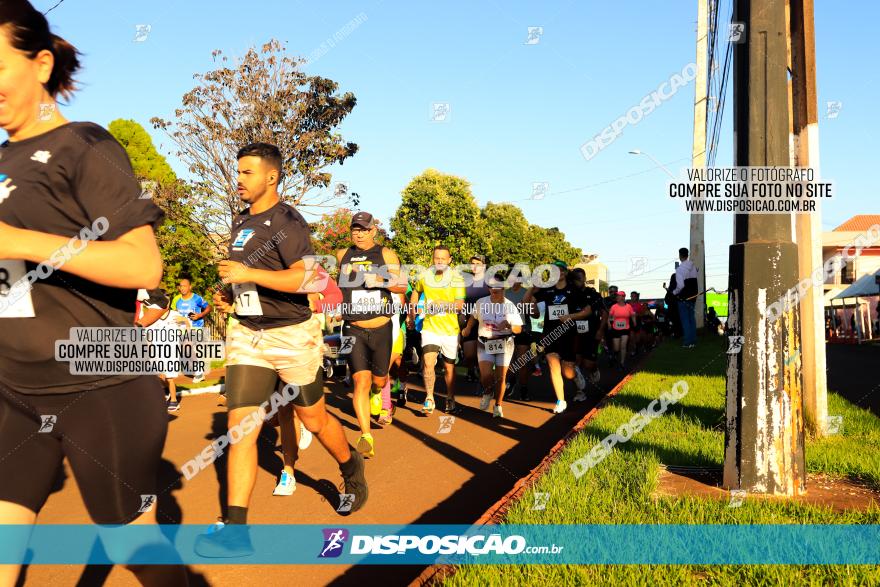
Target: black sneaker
225, 540
401, 396
356, 484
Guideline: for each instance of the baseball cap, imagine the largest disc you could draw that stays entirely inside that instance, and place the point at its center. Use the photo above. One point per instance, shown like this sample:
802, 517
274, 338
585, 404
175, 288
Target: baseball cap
561, 264
621, 293
480, 258
363, 219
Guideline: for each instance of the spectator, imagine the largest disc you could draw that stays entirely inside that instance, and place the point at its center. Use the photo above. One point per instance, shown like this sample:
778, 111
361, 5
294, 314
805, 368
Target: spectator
686, 292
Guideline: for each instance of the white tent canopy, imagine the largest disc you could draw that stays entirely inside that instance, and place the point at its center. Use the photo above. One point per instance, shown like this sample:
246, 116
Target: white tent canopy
865, 286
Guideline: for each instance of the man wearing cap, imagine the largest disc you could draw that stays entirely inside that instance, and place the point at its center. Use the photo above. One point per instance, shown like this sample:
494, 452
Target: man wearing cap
369, 274
560, 303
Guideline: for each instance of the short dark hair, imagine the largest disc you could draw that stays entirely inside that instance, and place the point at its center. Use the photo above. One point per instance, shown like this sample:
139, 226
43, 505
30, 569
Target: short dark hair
579, 271
442, 248
683, 253
268, 153
186, 277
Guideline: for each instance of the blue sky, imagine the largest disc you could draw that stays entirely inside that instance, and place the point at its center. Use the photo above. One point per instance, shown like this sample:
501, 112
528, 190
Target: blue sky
519, 112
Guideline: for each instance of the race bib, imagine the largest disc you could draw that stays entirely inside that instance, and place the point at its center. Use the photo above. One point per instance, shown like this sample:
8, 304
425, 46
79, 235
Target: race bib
247, 300
583, 326
620, 324
554, 312
661, 319
15, 302
366, 301
495, 346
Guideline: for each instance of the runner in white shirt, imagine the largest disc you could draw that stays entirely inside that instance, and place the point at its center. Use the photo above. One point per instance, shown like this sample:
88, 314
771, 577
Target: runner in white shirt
499, 320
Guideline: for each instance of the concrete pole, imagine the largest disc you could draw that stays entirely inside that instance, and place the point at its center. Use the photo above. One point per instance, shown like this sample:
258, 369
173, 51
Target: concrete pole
808, 227
698, 157
764, 432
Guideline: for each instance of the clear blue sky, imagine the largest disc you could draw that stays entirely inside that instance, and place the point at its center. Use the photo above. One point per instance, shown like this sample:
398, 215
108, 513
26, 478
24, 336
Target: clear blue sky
519, 112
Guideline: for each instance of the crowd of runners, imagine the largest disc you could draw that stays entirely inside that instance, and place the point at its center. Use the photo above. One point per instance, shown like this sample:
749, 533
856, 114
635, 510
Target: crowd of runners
58, 176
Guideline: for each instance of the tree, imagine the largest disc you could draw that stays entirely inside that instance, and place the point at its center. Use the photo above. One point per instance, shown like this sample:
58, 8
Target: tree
508, 234
549, 244
333, 232
265, 97
185, 246
438, 208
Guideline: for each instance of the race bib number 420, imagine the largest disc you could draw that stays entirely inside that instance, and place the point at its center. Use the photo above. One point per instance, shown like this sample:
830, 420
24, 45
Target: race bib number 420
15, 292
554, 312
247, 300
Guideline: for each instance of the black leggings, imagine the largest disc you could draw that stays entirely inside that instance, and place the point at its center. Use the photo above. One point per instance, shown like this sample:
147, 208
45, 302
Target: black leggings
372, 348
113, 438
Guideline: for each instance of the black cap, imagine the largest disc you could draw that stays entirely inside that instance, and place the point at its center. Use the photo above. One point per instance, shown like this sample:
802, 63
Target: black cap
363, 219
480, 258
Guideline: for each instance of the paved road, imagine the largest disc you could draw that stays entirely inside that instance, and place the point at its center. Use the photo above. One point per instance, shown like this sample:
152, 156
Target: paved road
417, 476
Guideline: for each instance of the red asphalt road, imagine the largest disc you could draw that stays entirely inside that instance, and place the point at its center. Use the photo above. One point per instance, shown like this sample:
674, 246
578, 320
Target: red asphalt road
418, 476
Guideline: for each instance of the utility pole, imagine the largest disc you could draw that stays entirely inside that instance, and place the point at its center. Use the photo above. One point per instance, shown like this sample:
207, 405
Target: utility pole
764, 433
805, 141
698, 157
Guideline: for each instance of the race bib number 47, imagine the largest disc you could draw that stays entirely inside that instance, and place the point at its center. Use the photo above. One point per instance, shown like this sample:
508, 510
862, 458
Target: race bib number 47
247, 300
15, 293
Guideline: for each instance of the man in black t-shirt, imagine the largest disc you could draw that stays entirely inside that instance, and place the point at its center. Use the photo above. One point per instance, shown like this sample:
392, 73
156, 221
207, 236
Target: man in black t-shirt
561, 313
271, 335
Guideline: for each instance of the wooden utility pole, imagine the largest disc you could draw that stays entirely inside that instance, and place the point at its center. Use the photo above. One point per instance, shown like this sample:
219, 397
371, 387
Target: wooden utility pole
698, 157
764, 432
805, 153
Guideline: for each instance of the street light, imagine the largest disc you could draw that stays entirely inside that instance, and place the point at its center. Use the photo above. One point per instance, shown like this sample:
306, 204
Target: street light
651, 157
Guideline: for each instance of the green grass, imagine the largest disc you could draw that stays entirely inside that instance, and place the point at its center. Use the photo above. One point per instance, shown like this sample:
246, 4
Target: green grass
618, 490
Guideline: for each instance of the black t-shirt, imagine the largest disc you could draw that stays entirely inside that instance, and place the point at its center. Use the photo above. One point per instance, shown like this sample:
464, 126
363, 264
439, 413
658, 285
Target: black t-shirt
595, 301
60, 182
566, 300
273, 240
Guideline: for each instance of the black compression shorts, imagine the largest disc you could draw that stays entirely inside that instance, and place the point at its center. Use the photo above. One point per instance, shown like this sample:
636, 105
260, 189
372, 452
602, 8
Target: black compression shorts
618, 333
587, 346
524, 338
250, 385
371, 350
113, 438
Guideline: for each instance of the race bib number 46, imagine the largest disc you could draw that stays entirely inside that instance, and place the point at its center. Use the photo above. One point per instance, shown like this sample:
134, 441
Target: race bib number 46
495, 347
247, 300
554, 312
15, 293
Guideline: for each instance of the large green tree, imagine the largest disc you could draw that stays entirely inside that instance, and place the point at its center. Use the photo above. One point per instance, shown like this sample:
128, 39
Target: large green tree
333, 232
508, 233
438, 208
187, 249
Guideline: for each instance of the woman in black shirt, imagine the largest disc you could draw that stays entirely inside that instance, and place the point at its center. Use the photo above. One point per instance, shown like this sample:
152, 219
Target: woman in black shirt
76, 242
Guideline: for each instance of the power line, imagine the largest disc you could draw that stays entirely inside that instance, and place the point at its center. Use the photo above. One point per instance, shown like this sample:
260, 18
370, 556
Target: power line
60, 2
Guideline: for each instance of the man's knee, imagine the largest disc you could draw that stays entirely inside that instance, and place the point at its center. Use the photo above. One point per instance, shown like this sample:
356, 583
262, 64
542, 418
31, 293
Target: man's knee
313, 420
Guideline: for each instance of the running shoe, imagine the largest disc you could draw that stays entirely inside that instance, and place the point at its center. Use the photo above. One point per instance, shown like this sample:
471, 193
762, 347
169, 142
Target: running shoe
560, 406
356, 484
224, 541
365, 445
537, 371
428, 406
375, 403
595, 376
580, 396
484, 401
221, 399
579, 380
497, 412
386, 417
401, 397
173, 407
286, 484
451, 406
524, 395
199, 378
305, 437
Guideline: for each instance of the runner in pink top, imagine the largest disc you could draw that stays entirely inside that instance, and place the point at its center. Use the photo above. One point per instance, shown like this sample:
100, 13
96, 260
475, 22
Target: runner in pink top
621, 317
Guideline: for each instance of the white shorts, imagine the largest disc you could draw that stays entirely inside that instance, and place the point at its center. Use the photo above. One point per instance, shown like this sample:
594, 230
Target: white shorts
501, 359
448, 343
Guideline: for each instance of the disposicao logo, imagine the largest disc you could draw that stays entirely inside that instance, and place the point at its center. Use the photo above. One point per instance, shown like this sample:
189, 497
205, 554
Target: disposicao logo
334, 541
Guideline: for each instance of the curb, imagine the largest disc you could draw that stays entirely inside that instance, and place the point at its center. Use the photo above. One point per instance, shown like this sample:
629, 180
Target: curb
496, 512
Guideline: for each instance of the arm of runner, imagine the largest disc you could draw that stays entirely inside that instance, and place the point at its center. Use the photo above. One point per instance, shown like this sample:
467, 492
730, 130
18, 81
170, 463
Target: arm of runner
413, 303
529, 300
392, 267
131, 261
470, 325
290, 280
223, 301
205, 311
460, 293
332, 298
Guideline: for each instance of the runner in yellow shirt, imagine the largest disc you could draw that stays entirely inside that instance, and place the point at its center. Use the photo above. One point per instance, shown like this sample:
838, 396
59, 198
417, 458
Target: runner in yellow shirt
444, 299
